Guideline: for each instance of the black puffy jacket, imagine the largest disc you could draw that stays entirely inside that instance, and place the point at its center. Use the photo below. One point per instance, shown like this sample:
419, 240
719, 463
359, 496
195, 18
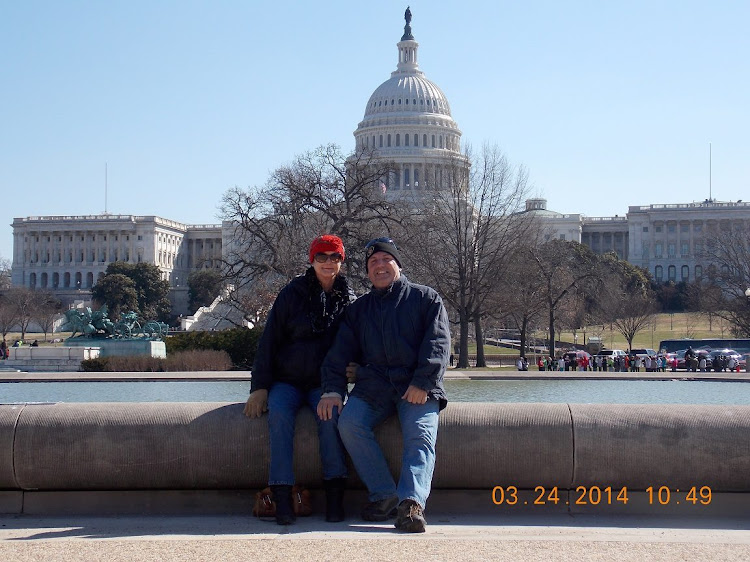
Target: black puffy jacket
399, 337
298, 332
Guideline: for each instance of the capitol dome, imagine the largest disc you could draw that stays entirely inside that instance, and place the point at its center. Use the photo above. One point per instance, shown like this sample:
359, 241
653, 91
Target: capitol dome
408, 121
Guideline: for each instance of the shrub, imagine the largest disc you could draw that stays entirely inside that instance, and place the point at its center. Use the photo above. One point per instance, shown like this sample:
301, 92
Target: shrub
240, 343
196, 360
97, 365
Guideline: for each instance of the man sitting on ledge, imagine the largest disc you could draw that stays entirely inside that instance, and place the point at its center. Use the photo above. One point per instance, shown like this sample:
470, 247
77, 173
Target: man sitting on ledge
399, 338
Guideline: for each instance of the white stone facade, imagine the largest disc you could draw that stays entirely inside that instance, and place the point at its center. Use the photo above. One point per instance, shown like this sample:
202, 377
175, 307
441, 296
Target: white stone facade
664, 239
68, 254
408, 122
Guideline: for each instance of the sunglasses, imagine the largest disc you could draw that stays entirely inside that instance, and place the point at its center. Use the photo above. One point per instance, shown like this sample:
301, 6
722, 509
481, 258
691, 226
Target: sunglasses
322, 258
384, 239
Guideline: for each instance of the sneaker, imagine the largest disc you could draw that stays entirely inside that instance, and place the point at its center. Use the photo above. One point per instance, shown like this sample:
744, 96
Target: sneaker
380, 510
410, 518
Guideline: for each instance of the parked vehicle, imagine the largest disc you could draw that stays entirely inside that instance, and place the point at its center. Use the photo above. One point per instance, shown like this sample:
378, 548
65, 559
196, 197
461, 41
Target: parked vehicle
612, 353
643, 352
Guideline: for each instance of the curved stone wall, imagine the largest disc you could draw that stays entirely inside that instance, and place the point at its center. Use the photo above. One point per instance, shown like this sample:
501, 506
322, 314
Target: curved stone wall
212, 446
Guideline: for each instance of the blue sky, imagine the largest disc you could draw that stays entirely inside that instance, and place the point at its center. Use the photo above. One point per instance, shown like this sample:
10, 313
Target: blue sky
608, 104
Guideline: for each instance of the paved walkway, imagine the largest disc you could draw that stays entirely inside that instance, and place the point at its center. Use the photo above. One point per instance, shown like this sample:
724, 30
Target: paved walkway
449, 537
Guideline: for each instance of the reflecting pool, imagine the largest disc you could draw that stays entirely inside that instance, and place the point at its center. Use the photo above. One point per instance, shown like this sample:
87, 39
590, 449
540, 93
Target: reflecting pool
569, 391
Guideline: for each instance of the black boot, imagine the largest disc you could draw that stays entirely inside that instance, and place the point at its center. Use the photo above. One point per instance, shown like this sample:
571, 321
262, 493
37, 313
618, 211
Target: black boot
282, 496
335, 499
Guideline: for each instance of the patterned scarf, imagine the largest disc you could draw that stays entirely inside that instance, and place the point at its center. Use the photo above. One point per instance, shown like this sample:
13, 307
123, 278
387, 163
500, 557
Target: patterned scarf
325, 307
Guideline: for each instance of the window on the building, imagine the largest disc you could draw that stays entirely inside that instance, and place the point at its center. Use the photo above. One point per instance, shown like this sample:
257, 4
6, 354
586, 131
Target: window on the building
659, 273
381, 141
424, 140
672, 273
671, 228
645, 229
658, 228
398, 139
406, 140
433, 141
698, 227
685, 272
657, 250
671, 250
698, 271
684, 249
389, 140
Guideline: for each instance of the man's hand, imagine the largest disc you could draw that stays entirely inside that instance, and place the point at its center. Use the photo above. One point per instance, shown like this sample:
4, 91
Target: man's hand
326, 406
415, 395
351, 373
256, 404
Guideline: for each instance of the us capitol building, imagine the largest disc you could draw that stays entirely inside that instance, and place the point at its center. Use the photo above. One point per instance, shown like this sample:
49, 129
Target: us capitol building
407, 121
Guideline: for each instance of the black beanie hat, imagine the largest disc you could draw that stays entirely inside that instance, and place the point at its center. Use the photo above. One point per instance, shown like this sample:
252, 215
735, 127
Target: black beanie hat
382, 245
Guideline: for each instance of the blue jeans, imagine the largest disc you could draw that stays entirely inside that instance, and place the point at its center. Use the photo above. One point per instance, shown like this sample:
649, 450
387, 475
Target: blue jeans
419, 426
284, 401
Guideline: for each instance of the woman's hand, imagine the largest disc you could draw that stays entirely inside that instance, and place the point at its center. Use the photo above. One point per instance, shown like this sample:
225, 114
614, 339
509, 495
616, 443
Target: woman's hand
327, 404
256, 404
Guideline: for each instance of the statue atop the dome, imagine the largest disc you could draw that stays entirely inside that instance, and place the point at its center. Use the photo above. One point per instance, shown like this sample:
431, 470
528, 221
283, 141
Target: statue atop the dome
407, 28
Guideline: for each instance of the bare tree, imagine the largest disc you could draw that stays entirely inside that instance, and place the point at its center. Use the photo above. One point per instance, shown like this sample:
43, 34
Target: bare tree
467, 234
521, 296
5, 272
46, 310
563, 267
319, 192
625, 297
24, 300
8, 314
727, 249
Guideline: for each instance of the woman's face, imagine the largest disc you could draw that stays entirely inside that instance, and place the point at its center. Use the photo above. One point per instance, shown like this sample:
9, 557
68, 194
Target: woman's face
327, 270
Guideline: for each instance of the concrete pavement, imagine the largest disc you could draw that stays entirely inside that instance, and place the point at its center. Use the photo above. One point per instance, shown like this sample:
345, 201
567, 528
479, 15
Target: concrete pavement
449, 537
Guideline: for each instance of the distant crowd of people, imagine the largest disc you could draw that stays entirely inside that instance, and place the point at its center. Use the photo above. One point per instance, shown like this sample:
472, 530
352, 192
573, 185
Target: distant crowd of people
699, 361
621, 363
703, 362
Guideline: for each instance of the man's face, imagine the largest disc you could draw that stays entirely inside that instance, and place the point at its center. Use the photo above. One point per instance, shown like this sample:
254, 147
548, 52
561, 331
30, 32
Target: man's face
382, 269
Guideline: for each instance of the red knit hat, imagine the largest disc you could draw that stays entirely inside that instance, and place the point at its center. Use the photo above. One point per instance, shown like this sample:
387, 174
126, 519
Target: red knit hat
327, 243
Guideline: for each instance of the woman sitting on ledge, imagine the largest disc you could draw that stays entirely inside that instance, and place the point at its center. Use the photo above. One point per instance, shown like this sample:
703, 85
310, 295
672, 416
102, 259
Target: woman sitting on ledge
286, 375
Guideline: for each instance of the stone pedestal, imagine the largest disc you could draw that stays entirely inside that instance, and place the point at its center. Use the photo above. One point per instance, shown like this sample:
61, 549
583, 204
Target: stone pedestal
56, 359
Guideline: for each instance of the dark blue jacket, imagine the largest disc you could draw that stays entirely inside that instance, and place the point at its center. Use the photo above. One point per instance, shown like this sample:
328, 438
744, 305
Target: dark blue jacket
297, 336
399, 337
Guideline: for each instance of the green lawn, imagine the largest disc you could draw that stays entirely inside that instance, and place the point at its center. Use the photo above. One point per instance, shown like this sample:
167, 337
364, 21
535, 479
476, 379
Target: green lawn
665, 326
